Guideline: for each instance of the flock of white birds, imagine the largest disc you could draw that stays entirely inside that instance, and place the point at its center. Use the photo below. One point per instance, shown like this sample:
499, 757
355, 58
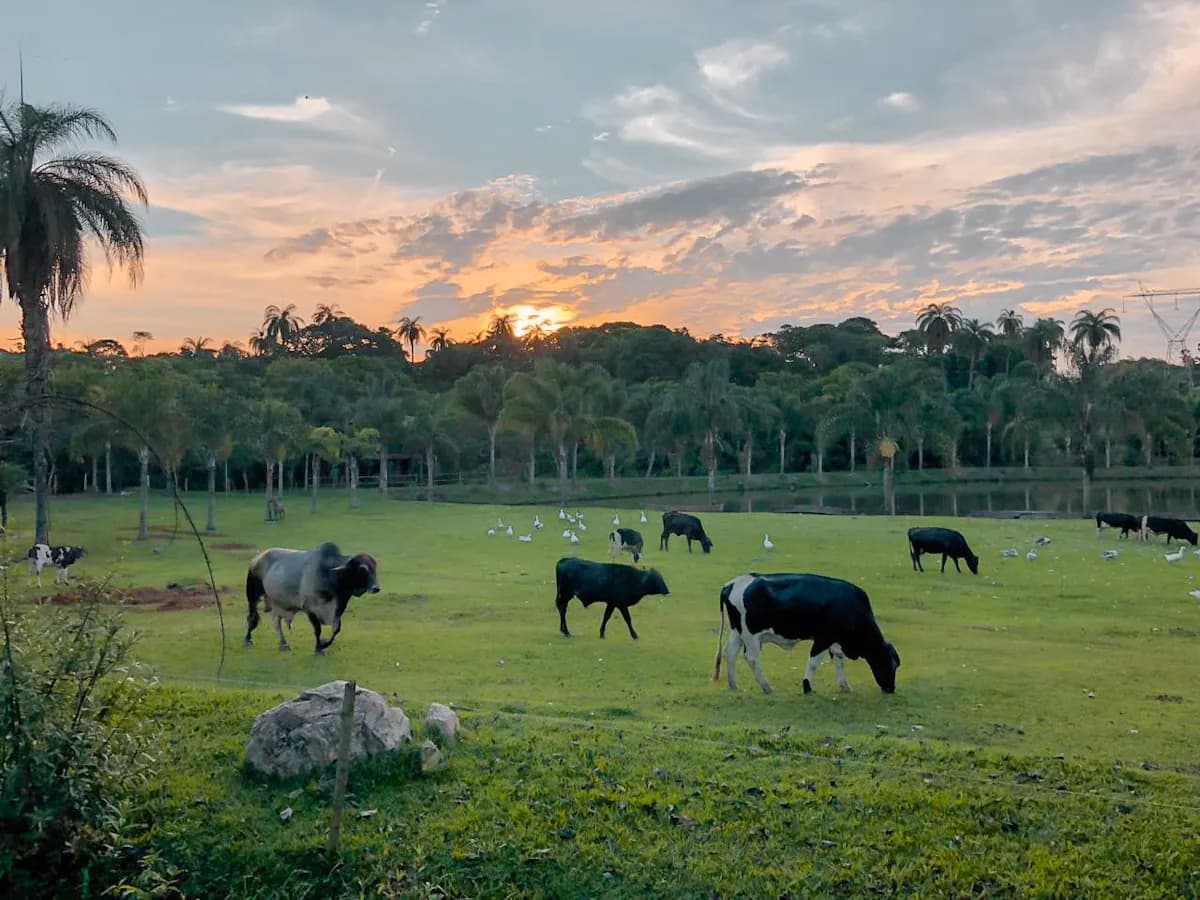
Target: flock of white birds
572, 527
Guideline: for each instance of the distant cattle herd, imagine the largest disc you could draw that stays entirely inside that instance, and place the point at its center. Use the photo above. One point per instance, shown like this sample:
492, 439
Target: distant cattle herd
779, 608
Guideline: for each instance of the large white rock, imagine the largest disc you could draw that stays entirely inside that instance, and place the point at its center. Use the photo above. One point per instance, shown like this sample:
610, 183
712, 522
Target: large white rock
301, 736
444, 719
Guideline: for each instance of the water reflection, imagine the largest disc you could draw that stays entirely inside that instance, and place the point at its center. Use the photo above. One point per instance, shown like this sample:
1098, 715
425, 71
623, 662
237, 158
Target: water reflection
1176, 498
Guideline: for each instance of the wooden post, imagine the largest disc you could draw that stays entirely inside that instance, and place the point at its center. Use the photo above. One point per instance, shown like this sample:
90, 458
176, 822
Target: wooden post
343, 765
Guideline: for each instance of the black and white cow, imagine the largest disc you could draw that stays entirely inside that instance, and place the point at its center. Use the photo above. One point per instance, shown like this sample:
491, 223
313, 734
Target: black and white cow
675, 522
945, 541
1124, 521
617, 586
1174, 529
625, 540
42, 556
785, 609
318, 582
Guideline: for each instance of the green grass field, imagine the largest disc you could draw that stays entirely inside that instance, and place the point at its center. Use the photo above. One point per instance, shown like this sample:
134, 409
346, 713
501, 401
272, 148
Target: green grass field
1042, 739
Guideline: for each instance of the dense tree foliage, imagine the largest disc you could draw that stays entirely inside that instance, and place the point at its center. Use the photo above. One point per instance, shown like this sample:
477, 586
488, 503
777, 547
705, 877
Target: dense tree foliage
329, 400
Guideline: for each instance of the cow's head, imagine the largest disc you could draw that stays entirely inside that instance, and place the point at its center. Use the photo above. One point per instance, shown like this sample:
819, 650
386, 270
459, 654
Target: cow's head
652, 583
884, 664
1191, 536
973, 564
705, 544
357, 576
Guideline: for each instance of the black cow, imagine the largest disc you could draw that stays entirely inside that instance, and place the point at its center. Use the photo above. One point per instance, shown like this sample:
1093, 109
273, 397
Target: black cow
618, 586
62, 558
627, 540
1124, 521
675, 522
945, 541
1174, 529
318, 582
786, 609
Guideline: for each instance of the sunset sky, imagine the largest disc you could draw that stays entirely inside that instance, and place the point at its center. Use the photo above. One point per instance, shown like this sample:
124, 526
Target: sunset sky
722, 166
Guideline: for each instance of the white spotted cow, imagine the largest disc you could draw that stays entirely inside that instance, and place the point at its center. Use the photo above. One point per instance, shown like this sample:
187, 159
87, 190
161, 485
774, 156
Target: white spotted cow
42, 556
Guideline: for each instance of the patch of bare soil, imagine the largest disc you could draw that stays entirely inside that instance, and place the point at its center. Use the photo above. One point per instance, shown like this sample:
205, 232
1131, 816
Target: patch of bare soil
171, 599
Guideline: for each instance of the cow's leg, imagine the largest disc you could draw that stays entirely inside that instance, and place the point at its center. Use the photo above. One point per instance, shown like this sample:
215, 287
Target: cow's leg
815, 657
914, 556
753, 652
316, 624
943, 563
628, 621
956, 568
322, 646
732, 651
562, 602
839, 660
283, 644
608, 611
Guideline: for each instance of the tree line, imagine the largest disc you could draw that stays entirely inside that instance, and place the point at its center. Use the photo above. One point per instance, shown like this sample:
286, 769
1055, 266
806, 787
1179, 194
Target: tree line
330, 400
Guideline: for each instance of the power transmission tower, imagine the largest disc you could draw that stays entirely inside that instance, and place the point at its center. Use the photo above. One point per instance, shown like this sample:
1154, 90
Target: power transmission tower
1176, 335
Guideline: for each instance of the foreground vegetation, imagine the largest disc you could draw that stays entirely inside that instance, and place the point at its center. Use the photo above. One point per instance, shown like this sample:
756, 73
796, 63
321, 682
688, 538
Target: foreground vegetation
1041, 740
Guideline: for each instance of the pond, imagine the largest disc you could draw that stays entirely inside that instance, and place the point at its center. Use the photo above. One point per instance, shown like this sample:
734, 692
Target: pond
1056, 499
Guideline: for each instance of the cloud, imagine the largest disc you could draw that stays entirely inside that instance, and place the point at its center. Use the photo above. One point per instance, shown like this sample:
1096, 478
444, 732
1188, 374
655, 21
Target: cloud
433, 9
734, 64
304, 110
900, 101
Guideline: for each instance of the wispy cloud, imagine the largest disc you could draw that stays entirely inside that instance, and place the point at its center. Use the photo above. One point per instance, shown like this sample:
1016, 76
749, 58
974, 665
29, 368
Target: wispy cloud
900, 101
433, 8
304, 110
736, 64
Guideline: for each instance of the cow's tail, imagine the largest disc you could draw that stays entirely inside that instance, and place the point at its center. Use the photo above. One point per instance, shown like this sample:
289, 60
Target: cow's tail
721, 632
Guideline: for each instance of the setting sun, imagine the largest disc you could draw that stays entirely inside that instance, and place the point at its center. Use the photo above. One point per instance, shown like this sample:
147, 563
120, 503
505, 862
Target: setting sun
549, 318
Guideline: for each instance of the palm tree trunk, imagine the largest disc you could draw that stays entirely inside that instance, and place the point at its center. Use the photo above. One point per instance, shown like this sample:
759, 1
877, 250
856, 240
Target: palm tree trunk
889, 487
35, 332
228, 486
429, 460
782, 451
921, 455
820, 459
1027, 452
279, 478
575, 461
144, 491
108, 467
563, 464
710, 449
352, 470
316, 481
1108, 452
612, 467
1148, 445
212, 494
650, 465
853, 441
492, 429
270, 489
679, 461
532, 462
749, 448
95, 474
383, 469
989, 446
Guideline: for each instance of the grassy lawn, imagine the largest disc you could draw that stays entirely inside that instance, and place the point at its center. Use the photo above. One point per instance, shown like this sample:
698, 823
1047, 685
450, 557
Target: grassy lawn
1042, 739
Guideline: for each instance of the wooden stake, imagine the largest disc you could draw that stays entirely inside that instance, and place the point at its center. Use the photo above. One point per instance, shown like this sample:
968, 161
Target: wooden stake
343, 765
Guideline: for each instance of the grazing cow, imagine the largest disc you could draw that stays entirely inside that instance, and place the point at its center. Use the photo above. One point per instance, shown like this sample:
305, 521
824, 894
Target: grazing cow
786, 609
61, 558
627, 540
1124, 521
675, 522
318, 582
1174, 529
618, 586
945, 541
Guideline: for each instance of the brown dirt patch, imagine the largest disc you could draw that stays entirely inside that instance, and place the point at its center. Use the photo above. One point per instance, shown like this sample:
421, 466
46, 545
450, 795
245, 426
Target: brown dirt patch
170, 599
233, 546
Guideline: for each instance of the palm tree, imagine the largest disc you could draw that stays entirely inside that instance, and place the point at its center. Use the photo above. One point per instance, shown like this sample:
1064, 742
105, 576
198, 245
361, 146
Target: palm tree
196, 346
937, 323
280, 326
323, 443
327, 312
411, 330
707, 388
1094, 336
1009, 323
439, 340
1043, 340
49, 209
971, 340
480, 393
500, 334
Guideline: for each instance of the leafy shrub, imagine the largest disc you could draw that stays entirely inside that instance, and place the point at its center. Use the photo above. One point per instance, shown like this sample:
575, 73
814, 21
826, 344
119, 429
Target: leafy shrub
73, 749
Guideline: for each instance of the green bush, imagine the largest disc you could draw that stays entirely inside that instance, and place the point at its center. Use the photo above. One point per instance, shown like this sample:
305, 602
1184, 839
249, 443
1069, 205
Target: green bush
73, 750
